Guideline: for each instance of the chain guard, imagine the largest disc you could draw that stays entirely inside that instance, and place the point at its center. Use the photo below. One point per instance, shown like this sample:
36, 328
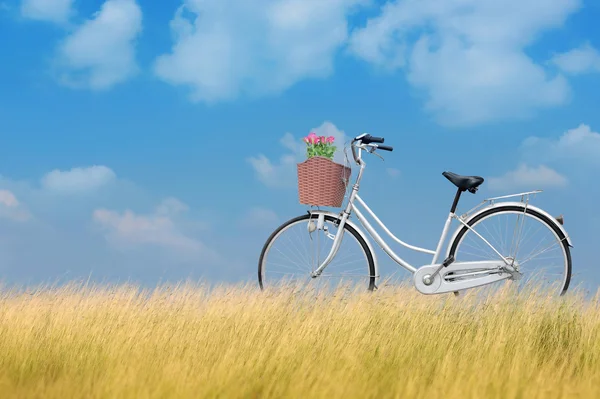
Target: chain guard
440, 283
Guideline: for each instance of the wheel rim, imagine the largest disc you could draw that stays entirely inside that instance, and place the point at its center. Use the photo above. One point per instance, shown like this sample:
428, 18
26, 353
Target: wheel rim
539, 251
291, 256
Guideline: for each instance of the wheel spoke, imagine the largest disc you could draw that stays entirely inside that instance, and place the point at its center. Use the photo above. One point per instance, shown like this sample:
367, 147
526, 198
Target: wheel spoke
294, 250
527, 233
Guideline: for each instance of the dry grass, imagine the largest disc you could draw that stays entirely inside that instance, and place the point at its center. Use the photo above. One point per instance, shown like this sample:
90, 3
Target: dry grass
236, 342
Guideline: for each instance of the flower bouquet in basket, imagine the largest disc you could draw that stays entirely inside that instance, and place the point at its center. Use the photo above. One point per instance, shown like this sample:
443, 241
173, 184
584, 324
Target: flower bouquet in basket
321, 181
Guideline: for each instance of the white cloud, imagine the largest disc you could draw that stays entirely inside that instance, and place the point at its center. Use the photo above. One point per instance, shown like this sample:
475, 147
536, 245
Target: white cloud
227, 48
579, 60
579, 144
8, 199
468, 55
575, 148
11, 208
276, 175
78, 180
48, 237
56, 11
393, 172
129, 230
171, 207
528, 177
101, 52
283, 174
260, 217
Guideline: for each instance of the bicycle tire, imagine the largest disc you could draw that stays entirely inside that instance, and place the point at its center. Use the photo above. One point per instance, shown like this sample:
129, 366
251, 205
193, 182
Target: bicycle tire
347, 228
515, 208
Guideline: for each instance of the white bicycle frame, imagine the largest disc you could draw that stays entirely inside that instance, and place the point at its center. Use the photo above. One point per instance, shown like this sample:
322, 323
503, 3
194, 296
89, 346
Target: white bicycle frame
351, 207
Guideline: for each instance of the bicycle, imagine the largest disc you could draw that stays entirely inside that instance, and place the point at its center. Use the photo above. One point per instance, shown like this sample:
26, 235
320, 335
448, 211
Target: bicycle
456, 272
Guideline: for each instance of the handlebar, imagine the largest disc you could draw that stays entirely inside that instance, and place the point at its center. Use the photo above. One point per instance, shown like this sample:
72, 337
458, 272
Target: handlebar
366, 140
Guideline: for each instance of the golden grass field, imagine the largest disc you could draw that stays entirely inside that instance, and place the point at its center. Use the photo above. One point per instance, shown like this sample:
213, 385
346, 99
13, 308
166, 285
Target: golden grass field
188, 341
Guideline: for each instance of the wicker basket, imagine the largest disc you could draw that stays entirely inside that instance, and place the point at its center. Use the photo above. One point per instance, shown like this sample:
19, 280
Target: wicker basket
322, 182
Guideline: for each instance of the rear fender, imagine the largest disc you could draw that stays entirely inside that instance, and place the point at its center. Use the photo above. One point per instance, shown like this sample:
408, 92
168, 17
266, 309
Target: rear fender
504, 204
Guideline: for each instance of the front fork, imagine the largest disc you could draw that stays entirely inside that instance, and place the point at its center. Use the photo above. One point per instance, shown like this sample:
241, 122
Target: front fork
337, 239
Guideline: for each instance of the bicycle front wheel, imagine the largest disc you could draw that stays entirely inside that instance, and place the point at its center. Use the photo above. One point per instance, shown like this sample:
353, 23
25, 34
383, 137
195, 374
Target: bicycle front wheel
293, 251
530, 240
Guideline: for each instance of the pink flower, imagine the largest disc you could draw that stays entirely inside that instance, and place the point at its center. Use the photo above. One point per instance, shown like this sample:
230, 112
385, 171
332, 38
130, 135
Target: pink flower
305, 139
312, 138
330, 139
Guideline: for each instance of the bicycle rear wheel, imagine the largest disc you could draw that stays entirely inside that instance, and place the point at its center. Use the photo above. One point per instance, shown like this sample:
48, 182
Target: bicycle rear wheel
537, 246
292, 252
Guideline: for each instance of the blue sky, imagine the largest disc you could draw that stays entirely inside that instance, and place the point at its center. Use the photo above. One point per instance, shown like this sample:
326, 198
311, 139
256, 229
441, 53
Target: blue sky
153, 142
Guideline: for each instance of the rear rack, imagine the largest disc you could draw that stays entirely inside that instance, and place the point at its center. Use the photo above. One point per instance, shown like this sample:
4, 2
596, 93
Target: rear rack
524, 198
522, 195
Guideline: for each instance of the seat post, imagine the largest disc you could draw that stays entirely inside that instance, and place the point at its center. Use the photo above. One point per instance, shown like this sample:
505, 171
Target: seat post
456, 198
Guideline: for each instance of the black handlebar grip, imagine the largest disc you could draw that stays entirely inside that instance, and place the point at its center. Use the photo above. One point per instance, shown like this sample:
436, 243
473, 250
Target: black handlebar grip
368, 139
385, 147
